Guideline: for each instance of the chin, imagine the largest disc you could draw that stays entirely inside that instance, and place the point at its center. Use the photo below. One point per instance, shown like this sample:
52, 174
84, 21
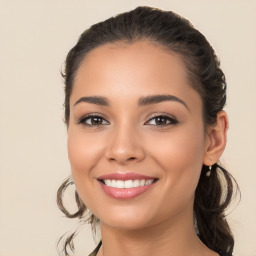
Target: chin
127, 224
129, 219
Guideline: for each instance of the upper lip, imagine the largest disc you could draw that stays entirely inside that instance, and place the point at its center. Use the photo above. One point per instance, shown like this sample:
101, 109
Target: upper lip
125, 176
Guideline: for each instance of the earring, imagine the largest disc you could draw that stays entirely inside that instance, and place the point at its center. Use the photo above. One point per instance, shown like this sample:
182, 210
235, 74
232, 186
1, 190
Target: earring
208, 174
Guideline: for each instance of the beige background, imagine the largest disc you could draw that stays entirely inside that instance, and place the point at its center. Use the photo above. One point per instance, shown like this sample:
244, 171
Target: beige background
34, 39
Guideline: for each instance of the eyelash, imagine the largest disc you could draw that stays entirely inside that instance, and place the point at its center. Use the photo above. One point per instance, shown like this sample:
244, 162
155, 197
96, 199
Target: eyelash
167, 118
172, 120
83, 120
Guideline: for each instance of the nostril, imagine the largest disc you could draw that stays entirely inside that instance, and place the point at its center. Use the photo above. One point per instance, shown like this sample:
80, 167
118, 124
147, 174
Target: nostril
132, 158
124, 155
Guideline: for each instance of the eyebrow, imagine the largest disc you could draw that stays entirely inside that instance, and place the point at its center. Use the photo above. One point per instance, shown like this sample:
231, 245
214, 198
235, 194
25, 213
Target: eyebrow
98, 100
154, 99
143, 101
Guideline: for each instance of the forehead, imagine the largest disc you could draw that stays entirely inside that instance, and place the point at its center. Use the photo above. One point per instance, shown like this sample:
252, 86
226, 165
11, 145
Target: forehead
145, 56
134, 68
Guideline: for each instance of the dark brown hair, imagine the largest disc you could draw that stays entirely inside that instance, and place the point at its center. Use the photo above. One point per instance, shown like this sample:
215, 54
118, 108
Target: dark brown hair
174, 33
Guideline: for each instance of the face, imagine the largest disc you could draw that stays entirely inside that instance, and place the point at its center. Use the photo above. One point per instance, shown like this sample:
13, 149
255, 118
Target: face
136, 138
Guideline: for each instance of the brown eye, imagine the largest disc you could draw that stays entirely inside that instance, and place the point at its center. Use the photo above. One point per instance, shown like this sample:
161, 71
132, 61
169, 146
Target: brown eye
161, 120
96, 120
92, 120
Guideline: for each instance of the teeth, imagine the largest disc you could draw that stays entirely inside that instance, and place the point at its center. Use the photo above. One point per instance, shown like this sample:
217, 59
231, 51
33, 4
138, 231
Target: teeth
136, 183
148, 182
127, 183
107, 182
119, 184
142, 182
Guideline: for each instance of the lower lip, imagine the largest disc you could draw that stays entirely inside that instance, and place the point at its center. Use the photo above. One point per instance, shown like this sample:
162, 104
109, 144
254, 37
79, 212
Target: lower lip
125, 193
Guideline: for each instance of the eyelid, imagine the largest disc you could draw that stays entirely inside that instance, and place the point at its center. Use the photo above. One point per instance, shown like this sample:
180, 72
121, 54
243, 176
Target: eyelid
91, 115
173, 120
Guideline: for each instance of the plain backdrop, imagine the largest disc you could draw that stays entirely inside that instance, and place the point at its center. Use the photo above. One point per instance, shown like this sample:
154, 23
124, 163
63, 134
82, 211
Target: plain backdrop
35, 37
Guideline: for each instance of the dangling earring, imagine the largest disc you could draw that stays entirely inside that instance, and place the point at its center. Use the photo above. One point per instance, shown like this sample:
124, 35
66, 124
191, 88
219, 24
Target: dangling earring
208, 174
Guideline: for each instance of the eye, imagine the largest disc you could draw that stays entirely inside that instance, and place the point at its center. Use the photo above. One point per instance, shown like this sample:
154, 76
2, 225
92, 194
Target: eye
93, 120
161, 120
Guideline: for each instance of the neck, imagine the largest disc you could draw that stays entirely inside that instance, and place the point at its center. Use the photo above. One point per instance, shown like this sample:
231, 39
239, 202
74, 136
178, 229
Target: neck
172, 238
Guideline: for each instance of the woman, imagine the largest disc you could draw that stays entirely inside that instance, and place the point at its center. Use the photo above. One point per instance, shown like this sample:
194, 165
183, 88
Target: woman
146, 128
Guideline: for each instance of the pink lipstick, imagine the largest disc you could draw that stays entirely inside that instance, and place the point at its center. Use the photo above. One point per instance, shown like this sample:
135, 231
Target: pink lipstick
126, 185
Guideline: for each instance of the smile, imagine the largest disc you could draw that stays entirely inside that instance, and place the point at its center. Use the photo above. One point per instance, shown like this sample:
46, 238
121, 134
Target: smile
126, 185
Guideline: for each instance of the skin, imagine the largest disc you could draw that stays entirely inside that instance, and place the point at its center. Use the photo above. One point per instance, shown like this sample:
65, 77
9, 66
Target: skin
129, 139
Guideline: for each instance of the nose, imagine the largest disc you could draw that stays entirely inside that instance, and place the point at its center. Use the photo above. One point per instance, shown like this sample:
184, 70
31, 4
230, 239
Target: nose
125, 146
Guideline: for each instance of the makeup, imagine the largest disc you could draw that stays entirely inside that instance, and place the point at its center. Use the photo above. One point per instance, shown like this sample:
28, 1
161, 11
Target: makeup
126, 185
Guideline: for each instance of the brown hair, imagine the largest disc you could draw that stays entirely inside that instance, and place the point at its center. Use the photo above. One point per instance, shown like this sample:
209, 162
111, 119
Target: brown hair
213, 194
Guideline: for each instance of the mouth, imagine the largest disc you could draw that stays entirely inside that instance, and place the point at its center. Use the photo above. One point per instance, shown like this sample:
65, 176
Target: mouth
126, 185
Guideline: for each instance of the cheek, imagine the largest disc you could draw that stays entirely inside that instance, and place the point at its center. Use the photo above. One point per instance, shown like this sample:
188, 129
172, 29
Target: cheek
83, 152
181, 156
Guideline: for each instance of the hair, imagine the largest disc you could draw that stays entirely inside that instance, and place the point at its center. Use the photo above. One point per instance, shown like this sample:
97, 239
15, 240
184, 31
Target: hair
175, 34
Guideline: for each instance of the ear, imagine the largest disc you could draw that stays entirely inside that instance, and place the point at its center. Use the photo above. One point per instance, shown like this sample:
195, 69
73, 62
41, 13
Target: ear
216, 139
